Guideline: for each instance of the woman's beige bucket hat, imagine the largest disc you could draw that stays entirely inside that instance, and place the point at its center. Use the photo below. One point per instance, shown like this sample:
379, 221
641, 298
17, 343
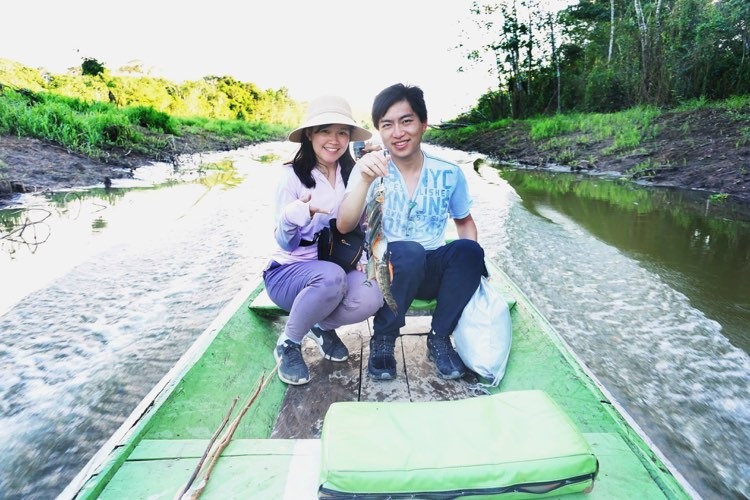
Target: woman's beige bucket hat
327, 110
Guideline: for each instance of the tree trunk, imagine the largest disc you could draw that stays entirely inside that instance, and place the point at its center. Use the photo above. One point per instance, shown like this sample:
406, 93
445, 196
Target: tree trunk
611, 30
654, 88
645, 52
555, 58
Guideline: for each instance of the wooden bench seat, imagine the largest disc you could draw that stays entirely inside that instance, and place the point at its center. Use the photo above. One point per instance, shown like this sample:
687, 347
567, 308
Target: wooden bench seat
263, 304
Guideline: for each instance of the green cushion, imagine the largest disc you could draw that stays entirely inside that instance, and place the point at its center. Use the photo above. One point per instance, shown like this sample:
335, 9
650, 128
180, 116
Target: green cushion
492, 445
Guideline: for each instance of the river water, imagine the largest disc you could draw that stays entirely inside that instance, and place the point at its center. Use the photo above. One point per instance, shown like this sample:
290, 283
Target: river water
102, 292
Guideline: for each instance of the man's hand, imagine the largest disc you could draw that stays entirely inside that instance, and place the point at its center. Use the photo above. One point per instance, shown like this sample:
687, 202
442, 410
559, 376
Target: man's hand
373, 165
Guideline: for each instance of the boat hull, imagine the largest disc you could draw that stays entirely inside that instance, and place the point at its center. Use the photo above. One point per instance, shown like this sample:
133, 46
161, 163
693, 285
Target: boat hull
275, 451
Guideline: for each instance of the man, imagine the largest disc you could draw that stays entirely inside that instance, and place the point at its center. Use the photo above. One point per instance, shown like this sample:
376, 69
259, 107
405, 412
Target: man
422, 192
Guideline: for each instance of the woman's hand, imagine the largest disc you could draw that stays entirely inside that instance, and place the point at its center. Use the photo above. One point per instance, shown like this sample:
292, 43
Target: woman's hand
305, 198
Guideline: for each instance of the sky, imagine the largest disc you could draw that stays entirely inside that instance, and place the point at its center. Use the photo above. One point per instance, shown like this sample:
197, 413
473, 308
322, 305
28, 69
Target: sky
351, 48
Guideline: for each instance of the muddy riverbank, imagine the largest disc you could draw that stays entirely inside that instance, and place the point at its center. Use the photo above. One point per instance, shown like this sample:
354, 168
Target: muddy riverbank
705, 149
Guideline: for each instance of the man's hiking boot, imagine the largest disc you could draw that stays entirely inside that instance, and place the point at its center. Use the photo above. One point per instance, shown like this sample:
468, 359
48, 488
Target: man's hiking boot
330, 344
292, 369
382, 363
447, 361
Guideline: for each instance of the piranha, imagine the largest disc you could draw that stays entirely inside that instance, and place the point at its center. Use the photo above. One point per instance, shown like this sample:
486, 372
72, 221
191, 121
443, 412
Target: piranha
379, 265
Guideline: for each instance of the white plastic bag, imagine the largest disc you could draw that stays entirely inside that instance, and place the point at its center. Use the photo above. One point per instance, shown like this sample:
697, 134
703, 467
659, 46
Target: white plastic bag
484, 333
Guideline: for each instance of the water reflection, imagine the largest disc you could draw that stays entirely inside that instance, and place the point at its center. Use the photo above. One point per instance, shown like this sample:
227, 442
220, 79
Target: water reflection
24, 228
700, 246
649, 298
124, 281
127, 278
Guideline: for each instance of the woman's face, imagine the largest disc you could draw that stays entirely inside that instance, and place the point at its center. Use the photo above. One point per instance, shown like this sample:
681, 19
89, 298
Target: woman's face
329, 143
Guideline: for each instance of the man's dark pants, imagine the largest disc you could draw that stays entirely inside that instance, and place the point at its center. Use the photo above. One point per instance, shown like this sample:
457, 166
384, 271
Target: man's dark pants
450, 274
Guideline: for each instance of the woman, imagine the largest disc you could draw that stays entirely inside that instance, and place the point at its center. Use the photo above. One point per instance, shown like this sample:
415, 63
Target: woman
319, 295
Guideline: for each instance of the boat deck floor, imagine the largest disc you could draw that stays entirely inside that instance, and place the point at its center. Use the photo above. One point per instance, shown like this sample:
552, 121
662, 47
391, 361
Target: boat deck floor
303, 409
288, 465
275, 469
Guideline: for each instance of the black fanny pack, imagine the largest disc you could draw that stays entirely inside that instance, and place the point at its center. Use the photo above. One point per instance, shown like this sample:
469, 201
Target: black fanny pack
342, 249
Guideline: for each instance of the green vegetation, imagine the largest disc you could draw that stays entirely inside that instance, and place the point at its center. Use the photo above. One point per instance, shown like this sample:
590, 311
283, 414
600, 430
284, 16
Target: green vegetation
624, 130
92, 127
222, 98
94, 112
687, 211
606, 56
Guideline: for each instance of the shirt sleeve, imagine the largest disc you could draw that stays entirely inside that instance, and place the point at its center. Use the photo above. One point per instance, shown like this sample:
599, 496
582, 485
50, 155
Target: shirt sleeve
355, 177
461, 201
292, 215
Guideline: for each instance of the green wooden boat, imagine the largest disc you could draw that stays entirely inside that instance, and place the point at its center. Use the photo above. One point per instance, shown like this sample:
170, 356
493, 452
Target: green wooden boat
157, 449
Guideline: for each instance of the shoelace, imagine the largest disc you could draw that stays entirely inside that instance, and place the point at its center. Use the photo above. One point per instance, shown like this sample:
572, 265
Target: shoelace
440, 347
292, 354
382, 348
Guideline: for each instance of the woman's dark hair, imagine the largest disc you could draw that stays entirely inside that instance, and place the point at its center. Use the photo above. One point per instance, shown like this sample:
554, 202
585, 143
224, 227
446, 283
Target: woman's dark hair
305, 161
396, 93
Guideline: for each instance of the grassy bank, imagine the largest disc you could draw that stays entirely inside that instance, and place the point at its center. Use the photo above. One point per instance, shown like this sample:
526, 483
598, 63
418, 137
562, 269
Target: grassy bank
96, 129
699, 145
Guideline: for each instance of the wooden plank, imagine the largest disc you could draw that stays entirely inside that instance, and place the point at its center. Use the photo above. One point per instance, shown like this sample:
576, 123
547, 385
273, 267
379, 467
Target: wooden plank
384, 390
257, 468
304, 406
423, 380
263, 304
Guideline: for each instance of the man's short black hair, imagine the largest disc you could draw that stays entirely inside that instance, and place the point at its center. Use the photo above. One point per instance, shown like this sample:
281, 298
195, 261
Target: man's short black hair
396, 93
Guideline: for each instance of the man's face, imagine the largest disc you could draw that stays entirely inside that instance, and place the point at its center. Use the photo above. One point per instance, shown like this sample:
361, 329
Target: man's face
401, 130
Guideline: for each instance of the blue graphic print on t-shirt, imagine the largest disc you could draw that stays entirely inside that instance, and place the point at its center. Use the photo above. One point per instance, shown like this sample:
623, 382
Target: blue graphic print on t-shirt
441, 194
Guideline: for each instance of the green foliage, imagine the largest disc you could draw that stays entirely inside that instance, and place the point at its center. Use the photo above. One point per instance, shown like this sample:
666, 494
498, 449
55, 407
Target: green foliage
685, 50
92, 67
255, 131
642, 169
543, 128
604, 91
92, 127
148, 117
736, 103
91, 114
626, 129
211, 97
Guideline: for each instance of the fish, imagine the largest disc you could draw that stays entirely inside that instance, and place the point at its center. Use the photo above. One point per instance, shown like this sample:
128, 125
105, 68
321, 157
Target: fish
379, 265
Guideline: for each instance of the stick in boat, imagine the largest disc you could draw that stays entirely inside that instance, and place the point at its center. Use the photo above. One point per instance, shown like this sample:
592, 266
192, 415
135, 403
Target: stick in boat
205, 453
194, 494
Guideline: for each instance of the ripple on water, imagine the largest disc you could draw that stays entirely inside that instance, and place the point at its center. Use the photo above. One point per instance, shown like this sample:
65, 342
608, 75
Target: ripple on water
88, 343
114, 314
663, 359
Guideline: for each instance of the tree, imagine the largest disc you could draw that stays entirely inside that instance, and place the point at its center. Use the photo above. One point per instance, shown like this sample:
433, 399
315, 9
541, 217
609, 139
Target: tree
92, 67
555, 59
653, 86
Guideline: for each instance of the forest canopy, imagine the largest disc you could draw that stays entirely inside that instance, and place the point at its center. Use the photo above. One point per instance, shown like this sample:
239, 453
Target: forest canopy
216, 97
606, 55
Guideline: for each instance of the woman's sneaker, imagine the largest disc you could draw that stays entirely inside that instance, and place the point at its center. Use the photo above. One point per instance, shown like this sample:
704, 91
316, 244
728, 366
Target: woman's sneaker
330, 344
447, 361
292, 368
